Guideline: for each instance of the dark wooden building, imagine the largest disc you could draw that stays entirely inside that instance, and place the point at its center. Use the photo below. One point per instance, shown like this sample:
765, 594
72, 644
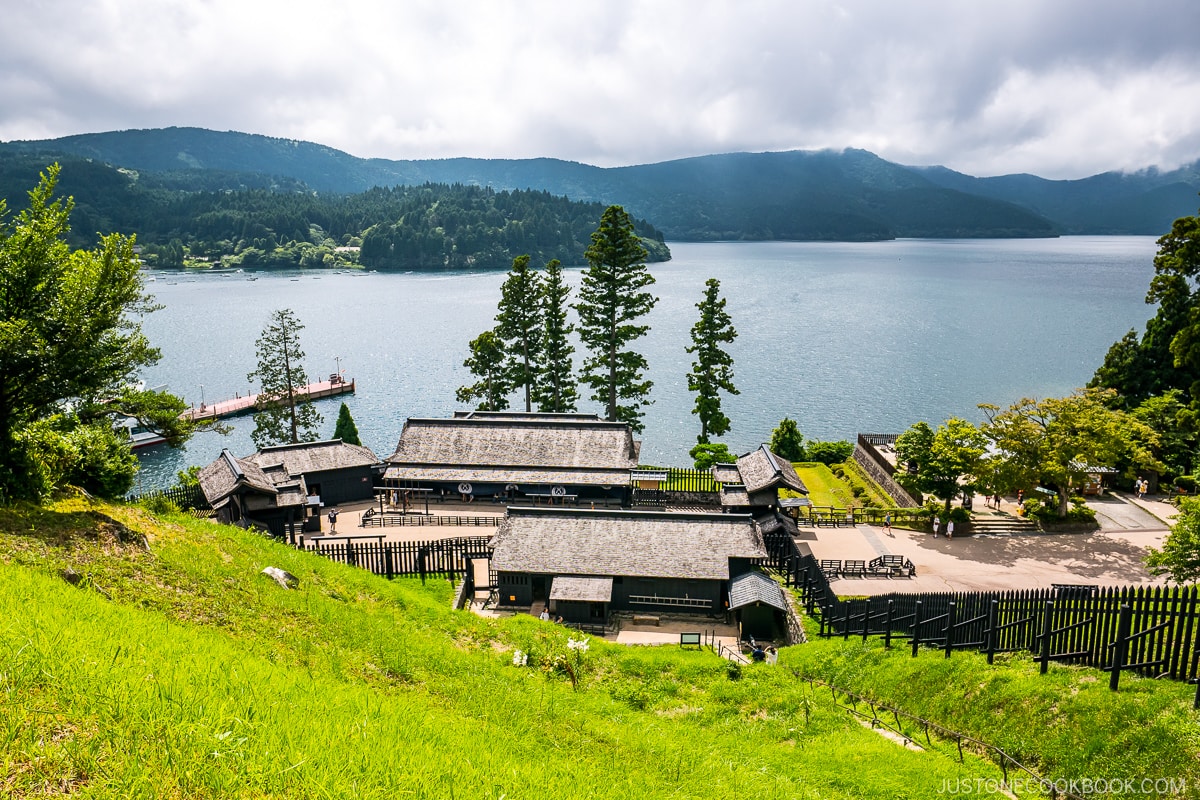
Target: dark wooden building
243, 493
521, 458
753, 483
283, 488
333, 470
589, 563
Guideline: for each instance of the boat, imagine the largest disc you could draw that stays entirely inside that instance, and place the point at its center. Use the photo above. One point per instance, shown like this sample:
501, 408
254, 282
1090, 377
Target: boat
139, 437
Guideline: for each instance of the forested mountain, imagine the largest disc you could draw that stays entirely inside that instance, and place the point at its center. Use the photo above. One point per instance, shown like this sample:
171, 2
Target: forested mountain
267, 222
834, 195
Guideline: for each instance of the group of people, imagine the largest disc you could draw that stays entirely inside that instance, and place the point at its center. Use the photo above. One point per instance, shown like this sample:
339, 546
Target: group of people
545, 616
1140, 487
937, 524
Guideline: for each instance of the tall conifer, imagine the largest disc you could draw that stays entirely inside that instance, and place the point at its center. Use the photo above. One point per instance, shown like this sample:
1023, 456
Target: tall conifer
285, 415
712, 371
519, 327
611, 301
556, 390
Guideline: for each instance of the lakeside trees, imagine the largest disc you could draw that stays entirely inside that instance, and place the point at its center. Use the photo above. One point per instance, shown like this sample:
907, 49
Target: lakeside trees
284, 415
487, 363
611, 302
519, 325
556, 388
712, 371
344, 428
942, 458
70, 351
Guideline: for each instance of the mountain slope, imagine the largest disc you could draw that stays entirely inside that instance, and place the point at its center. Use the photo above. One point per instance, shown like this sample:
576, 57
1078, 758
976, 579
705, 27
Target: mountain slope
851, 195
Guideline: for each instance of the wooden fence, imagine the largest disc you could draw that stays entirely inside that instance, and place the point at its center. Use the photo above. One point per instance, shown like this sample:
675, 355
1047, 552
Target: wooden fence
1151, 630
448, 557
388, 519
186, 497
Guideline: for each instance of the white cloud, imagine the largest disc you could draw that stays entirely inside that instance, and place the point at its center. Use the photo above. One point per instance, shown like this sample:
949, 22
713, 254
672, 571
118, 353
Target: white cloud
1062, 89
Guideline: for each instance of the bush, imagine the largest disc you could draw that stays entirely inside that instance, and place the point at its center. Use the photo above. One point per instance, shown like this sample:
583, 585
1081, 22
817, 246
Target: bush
1187, 483
829, 453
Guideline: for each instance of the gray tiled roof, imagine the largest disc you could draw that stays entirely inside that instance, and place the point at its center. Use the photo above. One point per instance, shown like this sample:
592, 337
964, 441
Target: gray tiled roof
754, 587
624, 543
309, 457
761, 469
521, 476
774, 521
228, 474
581, 589
544, 441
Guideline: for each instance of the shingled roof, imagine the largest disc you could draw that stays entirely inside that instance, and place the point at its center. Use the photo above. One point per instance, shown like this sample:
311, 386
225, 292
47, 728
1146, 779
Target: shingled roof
228, 474
761, 469
650, 544
515, 448
306, 458
754, 587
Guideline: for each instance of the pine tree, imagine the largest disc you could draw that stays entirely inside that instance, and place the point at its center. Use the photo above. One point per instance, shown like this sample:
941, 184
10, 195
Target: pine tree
556, 390
787, 441
712, 371
345, 429
285, 415
519, 327
611, 300
486, 363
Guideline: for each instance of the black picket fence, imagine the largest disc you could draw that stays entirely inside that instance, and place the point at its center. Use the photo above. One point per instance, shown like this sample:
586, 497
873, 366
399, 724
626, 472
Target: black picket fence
1150, 630
446, 557
186, 497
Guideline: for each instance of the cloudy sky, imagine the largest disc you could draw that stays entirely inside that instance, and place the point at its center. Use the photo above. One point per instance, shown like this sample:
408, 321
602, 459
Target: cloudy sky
1060, 88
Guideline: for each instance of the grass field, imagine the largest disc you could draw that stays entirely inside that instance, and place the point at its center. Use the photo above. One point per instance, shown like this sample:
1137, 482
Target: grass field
177, 670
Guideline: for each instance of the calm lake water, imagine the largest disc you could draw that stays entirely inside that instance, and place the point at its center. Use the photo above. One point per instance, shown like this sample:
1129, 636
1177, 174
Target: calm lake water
843, 338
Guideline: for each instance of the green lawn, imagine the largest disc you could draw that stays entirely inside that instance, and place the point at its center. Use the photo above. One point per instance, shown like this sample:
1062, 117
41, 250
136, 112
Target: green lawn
179, 671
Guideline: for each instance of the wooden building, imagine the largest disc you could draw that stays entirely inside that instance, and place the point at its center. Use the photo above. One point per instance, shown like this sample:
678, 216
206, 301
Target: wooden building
524, 458
333, 470
753, 483
589, 563
283, 488
243, 493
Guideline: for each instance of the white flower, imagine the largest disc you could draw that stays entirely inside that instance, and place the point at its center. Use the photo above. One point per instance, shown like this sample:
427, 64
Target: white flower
581, 645
520, 659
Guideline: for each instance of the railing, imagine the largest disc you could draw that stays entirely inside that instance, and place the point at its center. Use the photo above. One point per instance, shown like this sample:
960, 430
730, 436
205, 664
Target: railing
389, 518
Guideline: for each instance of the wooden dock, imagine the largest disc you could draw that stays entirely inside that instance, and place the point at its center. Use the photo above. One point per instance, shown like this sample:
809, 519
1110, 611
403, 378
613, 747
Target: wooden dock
249, 403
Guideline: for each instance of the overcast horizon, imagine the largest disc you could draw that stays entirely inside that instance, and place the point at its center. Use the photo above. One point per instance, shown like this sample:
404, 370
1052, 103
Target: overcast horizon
1062, 90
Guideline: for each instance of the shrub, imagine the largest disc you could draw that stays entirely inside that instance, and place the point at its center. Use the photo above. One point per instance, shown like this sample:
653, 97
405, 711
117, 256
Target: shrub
1187, 483
829, 452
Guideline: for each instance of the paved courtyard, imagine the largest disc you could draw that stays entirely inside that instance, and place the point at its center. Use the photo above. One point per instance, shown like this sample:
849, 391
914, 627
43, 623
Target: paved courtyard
1113, 555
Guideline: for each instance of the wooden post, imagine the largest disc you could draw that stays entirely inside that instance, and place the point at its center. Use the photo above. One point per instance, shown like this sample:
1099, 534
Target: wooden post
1047, 615
846, 620
993, 619
887, 626
916, 634
1120, 646
951, 618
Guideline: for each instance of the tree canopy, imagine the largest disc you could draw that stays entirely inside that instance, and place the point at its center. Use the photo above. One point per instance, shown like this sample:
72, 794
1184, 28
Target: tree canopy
1057, 442
519, 326
612, 300
344, 428
70, 352
712, 371
1179, 558
487, 363
787, 441
285, 414
556, 387
944, 459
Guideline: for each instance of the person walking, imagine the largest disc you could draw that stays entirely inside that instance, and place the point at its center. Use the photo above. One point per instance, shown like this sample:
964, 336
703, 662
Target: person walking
937, 523
950, 529
887, 523
332, 520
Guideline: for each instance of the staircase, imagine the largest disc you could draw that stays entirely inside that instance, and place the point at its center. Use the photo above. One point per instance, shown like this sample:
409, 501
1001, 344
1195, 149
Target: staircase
1000, 525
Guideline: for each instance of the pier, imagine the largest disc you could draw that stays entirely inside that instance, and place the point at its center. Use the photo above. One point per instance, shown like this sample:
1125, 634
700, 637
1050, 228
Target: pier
249, 403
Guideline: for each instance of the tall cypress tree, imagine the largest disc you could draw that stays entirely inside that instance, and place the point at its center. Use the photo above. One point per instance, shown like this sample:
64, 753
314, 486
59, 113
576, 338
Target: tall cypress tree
285, 415
712, 371
556, 390
486, 363
611, 300
519, 327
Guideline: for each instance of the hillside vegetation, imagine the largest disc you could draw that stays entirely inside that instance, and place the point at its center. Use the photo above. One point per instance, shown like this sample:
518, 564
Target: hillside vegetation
175, 669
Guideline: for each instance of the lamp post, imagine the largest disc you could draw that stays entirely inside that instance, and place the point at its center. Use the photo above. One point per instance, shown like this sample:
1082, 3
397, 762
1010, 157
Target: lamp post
202, 397
338, 360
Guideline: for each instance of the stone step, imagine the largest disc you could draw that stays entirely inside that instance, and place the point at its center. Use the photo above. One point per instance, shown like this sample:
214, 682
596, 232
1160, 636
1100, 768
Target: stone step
1001, 525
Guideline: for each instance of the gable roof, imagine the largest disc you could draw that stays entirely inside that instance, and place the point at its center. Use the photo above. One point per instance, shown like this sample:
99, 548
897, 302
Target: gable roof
516, 447
309, 457
229, 475
651, 544
761, 469
755, 587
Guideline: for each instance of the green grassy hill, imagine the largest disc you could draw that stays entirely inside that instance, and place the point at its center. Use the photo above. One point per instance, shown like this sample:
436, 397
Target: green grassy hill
175, 669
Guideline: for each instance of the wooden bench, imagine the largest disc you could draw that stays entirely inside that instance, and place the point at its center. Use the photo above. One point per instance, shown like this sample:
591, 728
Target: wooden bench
892, 565
854, 566
645, 619
688, 639
832, 567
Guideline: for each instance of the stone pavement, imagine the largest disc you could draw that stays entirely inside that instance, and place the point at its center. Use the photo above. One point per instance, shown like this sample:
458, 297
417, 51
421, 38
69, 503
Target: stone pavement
1113, 555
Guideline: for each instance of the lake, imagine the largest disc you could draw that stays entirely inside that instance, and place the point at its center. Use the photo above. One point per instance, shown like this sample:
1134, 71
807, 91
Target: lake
842, 337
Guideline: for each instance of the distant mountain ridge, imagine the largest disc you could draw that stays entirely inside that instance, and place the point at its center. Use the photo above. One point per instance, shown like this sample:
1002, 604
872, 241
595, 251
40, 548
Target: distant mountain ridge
851, 195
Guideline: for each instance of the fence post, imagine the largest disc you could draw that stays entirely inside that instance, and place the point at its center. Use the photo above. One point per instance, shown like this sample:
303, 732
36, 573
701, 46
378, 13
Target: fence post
866, 619
1120, 646
916, 635
387, 558
993, 618
951, 618
1047, 614
846, 620
887, 626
